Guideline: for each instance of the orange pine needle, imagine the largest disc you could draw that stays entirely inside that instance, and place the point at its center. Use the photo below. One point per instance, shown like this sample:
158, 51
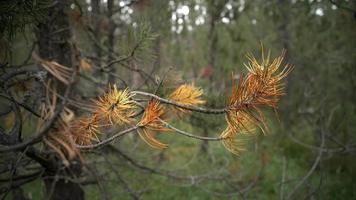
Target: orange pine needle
151, 120
261, 87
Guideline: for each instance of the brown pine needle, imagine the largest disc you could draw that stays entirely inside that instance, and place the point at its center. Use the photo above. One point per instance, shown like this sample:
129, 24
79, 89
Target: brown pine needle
61, 141
61, 72
85, 129
151, 120
58, 151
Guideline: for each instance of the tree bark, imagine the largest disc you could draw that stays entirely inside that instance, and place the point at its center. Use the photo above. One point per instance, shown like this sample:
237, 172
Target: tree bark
63, 189
284, 36
95, 4
214, 13
53, 44
111, 39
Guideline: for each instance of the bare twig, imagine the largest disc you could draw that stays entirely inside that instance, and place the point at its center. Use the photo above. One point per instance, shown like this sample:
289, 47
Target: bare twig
281, 192
108, 140
187, 107
191, 135
312, 169
48, 125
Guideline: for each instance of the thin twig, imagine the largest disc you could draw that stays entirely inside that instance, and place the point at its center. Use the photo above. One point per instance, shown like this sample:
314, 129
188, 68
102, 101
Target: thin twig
281, 194
108, 140
191, 135
316, 163
187, 107
37, 138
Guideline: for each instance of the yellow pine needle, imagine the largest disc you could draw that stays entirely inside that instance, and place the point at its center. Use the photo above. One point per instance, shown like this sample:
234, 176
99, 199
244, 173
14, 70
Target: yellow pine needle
147, 136
187, 95
234, 145
239, 122
239, 125
115, 107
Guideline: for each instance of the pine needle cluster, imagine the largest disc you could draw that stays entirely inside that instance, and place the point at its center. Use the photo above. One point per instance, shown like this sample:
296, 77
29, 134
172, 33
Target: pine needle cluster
262, 86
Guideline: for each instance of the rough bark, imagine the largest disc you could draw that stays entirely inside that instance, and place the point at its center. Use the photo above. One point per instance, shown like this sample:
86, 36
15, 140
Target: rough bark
95, 4
17, 194
63, 189
284, 36
111, 38
53, 44
212, 42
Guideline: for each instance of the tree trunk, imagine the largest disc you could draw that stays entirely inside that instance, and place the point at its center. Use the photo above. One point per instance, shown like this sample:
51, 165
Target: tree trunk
212, 42
63, 189
284, 35
53, 44
95, 18
17, 194
111, 39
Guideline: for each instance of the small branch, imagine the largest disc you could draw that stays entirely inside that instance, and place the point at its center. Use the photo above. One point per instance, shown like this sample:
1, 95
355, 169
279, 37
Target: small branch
108, 140
346, 148
121, 180
37, 138
181, 132
122, 59
281, 194
170, 174
187, 107
339, 5
22, 105
316, 163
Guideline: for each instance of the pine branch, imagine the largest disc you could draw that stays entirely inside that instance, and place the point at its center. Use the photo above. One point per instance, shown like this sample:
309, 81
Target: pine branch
183, 106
